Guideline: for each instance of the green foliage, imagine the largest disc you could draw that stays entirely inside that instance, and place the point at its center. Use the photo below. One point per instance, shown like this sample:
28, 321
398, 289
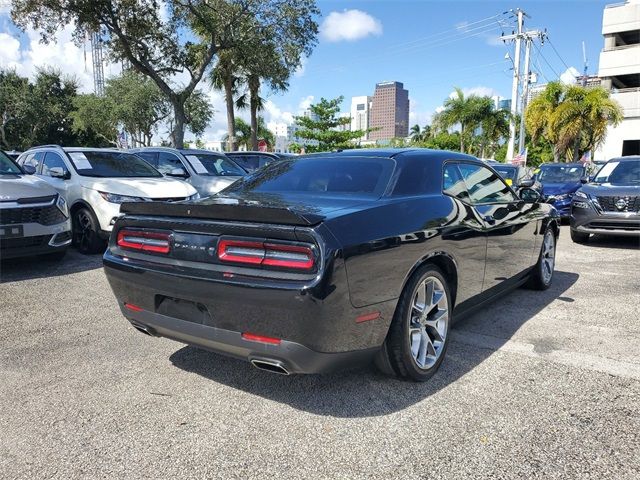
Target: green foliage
324, 127
16, 112
571, 118
243, 133
162, 39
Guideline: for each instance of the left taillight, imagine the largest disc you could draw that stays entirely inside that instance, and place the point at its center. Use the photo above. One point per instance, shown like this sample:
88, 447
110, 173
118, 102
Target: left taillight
267, 254
144, 241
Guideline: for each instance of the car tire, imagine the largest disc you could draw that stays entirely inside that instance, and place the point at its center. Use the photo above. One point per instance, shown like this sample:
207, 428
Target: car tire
541, 276
85, 232
579, 237
419, 333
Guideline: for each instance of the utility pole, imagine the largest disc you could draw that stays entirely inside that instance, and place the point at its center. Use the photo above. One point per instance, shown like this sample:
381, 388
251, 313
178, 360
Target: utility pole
516, 83
527, 37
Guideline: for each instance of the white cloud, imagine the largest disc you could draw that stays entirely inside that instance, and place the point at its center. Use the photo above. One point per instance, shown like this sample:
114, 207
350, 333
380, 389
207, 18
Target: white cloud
569, 76
417, 115
305, 103
62, 54
299, 72
349, 25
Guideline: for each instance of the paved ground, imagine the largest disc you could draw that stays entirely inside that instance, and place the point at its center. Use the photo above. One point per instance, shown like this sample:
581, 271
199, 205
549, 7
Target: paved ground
540, 385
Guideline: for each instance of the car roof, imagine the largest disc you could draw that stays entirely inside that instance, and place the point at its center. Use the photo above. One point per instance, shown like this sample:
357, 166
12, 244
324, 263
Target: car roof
401, 152
629, 158
251, 152
562, 164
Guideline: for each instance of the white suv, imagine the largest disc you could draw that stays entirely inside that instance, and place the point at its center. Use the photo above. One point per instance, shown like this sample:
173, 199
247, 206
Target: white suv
95, 181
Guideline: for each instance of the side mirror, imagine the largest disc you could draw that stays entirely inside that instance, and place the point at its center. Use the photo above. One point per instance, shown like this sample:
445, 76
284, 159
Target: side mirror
551, 199
529, 195
177, 172
29, 169
526, 183
59, 172
585, 180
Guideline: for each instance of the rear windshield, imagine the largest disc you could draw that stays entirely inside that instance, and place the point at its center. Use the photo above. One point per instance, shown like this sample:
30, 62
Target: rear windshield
214, 165
111, 164
352, 176
7, 167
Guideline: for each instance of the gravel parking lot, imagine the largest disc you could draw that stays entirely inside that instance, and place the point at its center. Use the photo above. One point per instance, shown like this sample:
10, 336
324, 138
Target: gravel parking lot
538, 384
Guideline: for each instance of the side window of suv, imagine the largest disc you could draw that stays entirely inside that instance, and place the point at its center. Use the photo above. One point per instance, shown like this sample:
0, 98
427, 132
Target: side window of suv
53, 159
484, 186
32, 159
167, 162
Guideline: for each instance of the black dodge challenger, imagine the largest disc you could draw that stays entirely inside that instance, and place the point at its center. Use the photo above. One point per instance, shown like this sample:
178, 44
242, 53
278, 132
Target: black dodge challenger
329, 260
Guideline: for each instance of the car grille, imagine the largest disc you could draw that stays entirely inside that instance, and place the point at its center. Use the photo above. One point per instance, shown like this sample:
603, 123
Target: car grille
24, 242
43, 215
173, 199
608, 204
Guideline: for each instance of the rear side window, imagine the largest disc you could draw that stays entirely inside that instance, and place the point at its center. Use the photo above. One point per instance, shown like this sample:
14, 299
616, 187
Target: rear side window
475, 184
414, 177
248, 162
167, 162
358, 176
150, 157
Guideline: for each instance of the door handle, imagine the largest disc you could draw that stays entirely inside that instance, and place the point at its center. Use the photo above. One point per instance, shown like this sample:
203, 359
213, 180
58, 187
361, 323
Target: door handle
489, 219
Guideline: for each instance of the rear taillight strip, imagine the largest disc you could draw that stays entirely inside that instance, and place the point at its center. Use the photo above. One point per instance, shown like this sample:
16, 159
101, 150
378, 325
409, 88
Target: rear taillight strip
297, 257
157, 242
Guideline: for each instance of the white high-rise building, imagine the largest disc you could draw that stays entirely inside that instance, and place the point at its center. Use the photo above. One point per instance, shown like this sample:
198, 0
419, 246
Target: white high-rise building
360, 113
619, 70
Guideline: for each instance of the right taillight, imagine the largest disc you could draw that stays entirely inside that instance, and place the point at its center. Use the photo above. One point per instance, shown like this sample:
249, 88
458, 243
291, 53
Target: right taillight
268, 254
144, 241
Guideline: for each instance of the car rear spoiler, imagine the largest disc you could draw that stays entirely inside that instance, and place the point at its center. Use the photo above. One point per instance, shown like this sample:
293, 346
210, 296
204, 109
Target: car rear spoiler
243, 213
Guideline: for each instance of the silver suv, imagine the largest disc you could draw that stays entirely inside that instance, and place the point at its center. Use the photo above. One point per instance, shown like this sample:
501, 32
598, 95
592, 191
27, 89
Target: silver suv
208, 172
34, 219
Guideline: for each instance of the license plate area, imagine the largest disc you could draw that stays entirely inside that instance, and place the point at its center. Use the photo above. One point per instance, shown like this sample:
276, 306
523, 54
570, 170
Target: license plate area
11, 231
183, 309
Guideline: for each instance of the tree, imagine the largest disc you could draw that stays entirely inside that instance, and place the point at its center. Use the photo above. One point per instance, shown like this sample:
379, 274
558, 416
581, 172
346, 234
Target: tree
164, 39
94, 116
415, 133
243, 133
494, 126
323, 126
463, 111
225, 77
572, 118
15, 111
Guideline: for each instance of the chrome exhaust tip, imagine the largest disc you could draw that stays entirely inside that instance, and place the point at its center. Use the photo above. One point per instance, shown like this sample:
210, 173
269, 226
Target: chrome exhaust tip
273, 366
143, 329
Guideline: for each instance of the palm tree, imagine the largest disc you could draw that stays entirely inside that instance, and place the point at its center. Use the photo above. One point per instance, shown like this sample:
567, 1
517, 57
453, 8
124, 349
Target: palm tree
495, 126
225, 77
582, 118
415, 133
243, 133
463, 111
539, 113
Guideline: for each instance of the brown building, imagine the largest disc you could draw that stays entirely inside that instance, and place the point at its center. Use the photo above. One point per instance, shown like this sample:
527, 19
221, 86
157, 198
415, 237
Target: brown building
390, 111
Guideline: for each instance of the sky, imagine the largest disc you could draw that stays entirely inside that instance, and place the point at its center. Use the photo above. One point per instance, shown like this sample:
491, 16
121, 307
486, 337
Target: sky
431, 46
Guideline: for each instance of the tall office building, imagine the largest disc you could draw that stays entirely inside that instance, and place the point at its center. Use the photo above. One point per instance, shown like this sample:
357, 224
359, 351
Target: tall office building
389, 111
619, 69
360, 114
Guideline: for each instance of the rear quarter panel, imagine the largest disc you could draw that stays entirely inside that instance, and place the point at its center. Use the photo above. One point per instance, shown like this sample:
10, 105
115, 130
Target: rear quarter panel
383, 245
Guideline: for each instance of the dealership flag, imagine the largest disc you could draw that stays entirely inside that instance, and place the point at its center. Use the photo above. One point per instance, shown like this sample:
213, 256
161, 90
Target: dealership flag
521, 158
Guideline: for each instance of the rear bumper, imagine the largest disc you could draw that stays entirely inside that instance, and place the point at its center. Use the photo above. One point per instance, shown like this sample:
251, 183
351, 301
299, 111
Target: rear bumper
291, 356
317, 326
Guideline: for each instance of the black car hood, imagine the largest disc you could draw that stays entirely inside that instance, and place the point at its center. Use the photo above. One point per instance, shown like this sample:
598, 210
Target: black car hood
253, 207
606, 189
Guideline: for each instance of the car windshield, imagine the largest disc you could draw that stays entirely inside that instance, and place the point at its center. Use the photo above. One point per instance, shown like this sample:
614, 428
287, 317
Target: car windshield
7, 167
505, 171
620, 173
111, 164
355, 176
214, 165
560, 173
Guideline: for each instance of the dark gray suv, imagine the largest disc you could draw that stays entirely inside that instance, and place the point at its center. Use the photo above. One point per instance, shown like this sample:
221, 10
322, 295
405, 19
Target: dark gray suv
610, 204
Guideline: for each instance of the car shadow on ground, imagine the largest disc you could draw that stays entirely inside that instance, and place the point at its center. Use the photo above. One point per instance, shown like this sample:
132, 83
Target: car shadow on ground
607, 241
364, 392
18, 269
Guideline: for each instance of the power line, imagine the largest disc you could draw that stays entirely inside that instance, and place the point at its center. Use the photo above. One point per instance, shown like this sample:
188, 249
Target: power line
546, 61
558, 54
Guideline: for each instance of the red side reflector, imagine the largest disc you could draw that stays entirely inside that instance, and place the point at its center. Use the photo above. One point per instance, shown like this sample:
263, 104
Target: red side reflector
133, 308
259, 338
142, 240
368, 317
